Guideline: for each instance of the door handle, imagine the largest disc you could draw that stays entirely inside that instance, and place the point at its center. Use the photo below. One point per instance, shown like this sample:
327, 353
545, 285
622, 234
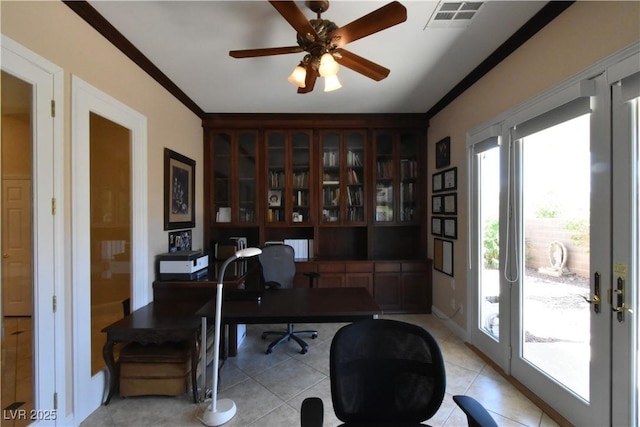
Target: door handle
5, 256
619, 308
595, 301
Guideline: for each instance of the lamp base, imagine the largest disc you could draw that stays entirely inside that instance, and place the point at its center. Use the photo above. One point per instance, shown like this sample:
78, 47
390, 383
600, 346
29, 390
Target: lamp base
225, 410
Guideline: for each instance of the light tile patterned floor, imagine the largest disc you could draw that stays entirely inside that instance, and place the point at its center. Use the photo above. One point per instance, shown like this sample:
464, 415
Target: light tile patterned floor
269, 389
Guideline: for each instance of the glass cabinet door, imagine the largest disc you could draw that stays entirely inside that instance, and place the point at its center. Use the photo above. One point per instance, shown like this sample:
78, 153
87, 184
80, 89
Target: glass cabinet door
247, 165
384, 178
276, 156
355, 177
408, 177
222, 178
330, 177
300, 177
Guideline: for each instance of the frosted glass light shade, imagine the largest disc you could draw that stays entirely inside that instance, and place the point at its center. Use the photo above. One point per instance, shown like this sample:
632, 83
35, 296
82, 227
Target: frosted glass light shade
328, 66
331, 83
298, 76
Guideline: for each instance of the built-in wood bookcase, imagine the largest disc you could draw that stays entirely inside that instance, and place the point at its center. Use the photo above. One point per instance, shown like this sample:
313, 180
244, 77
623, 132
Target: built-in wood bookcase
351, 184
354, 186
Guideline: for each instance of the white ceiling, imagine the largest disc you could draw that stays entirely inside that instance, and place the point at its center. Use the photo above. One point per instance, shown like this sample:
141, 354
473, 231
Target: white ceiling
189, 41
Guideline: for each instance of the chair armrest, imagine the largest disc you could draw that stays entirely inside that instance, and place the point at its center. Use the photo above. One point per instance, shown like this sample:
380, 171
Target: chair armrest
477, 415
312, 412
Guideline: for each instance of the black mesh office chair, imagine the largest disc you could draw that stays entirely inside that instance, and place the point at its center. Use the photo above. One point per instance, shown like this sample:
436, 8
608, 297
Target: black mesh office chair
387, 373
278, 270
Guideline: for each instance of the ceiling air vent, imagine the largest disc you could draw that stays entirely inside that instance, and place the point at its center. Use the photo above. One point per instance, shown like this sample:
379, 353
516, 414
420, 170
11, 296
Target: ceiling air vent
453, 14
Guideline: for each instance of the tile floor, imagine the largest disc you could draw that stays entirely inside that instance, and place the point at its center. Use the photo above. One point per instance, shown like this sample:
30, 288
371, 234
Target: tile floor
269, 389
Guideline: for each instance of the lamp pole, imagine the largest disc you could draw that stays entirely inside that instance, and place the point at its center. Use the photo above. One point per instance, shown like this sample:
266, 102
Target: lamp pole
220, 411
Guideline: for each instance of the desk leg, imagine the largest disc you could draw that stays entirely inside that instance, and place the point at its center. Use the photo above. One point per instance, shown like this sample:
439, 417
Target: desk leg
107, 354
194, 369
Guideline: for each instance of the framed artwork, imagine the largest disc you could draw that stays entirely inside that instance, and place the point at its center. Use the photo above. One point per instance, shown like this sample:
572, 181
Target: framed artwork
179, 191
450, 179
436, 183
443, 153
450, 228
180, 240
443, 256
450, 204
436, 226
436, 205
275, 198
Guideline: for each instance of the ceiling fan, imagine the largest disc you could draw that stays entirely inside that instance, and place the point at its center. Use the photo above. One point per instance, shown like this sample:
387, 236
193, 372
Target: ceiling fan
323, 41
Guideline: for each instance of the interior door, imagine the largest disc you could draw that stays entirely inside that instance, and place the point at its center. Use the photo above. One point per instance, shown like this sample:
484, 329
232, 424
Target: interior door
560, 256
17, 276
109, 230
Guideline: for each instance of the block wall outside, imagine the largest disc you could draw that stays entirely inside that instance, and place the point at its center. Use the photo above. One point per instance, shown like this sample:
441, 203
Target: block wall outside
541, 232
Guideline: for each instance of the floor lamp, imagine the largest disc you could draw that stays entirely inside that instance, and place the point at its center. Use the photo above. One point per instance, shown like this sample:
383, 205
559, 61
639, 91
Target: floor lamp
220, 411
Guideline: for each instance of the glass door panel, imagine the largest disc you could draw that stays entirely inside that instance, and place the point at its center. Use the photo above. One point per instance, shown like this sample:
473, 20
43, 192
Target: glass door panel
556, 221
222, 180
300, 154
331, 177
408, 177
489, 226
355, 177
276, 156
384, 178
247, 177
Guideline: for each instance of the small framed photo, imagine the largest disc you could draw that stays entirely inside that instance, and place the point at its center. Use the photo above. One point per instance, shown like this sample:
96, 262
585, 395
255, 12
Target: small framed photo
436, 226
436, 183
275, 198
450, 179
443, 153
450, 228
179, 191
450, 204
436, 205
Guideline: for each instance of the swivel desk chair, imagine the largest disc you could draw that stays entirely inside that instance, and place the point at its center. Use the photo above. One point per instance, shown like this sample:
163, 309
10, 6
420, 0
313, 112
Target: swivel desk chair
278, 270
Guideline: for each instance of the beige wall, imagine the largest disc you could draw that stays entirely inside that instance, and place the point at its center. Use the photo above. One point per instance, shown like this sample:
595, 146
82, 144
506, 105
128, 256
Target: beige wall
53, 31
585, 33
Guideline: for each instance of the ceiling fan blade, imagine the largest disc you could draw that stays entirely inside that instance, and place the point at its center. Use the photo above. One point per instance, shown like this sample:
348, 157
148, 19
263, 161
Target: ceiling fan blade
361, 65
309, 81
387, 16
251, 53
294, 16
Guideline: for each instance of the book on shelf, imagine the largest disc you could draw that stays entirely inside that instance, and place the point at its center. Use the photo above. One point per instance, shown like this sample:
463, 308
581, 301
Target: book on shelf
302, 248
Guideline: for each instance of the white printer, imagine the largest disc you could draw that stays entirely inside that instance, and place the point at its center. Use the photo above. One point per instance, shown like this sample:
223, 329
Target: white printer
183, 265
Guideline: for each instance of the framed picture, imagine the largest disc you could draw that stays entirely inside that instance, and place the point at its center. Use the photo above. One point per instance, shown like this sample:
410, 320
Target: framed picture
450, 179
436, 226
436, 205
443, 153
450, 203
275, 198
436, 183
180, 240
450, 228
179, 191
443, 256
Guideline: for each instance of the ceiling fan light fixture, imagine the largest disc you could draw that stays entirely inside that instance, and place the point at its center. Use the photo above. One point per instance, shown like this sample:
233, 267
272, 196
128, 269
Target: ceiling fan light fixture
328, 66
331, 83
298, 76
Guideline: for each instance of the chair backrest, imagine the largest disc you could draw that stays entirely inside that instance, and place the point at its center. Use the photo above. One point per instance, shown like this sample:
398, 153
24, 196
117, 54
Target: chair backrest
385, 372
278, 265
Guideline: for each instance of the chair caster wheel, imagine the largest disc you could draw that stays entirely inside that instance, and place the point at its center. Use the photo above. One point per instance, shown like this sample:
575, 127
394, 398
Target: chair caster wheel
314, 336
304, 351
264, 336
269, 351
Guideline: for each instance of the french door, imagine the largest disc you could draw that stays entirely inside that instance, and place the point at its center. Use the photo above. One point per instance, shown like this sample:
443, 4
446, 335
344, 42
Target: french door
542, 249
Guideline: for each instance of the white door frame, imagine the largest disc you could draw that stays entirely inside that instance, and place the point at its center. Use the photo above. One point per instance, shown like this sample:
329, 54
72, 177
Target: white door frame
50, 339
89, 391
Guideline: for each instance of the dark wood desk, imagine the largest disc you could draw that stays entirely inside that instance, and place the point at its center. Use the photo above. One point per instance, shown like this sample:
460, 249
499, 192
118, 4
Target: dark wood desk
154, 323
298, 305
